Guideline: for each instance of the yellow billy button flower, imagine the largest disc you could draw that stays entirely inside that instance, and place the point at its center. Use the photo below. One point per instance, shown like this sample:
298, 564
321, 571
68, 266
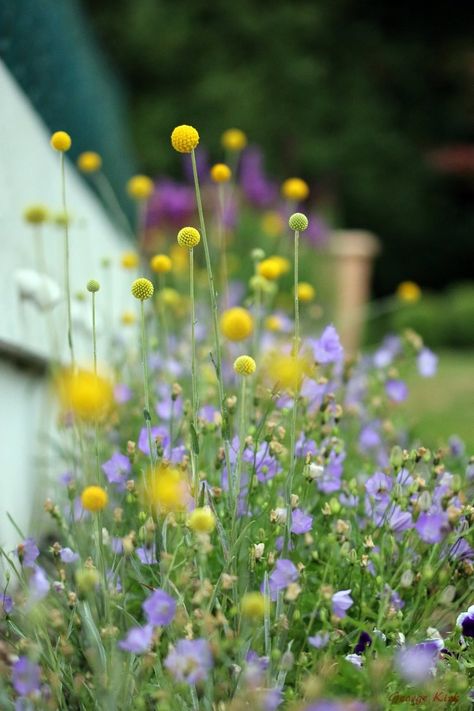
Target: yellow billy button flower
285, 371
202, 520
298, 222
270, 269
253, 605
92, 286
236, 324
166, 489
184, 139
36, 214
142, 289
128, 318
409, 292
234, 139
129, 260
221, 173
295, 189
140, 187
273, 323
160, 264
272, 223
94, 498
244, 365
89, 162
61, 141
88, 396
188, 237
306, 292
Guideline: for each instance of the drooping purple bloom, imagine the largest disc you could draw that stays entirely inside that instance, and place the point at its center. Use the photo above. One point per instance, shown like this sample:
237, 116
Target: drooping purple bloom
159, 608
285, 572
417, 663
7, 604
117, 469
364, 641
39, 585
320, 640
28, 552
341, 602
301, 522
26, 676
68, 556
147, 555
397, 390
432, 527
427, 363
461, 550
327, 348
190, 660
138, 640
466, 622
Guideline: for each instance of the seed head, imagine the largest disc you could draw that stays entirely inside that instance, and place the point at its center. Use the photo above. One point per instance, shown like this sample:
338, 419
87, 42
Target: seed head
298, 222
93, 285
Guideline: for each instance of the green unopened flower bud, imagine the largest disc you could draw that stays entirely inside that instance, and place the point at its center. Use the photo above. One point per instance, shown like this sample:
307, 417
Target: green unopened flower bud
298, 222
334, 505
396, 457
428, 572
87, 579
257, 254
407, 579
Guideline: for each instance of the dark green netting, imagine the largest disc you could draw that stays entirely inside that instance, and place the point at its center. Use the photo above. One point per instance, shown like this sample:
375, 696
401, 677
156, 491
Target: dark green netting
49, 49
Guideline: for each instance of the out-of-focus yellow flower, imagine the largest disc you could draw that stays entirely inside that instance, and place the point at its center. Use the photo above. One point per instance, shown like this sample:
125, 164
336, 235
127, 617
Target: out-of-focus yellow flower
89, 162
179, 257
36, 214
88, 396
269, 268
295, 189
286, 372
166, 489
161, 263
234, 139
253, 605
94, 498
409, 292
272, 223
221, 173
245, 365
184, 139
61, 141
140, 187
61, 219
273, 323
283, 263
129, 260
202, 520
306, 292
128, 318
236, 324
170, 297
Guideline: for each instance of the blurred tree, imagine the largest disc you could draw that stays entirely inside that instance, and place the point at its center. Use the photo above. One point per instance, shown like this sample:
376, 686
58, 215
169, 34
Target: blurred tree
351, 95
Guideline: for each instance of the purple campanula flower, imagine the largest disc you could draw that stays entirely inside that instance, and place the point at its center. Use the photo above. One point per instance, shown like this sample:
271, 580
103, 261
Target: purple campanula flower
416, 664
461, 550
354, 659
7, 604
271, 699
364, 641
327, 348
398, 520
190, 661
116, 545
427, 363
465, 622
28, 552
68, 556
432, 527
395, 599
159, 608
304, 446
333, 705
320, 640
404, 478
341, 602
285, 572
389, 349
456, 446
66, 478
301, 522
396, 390
138, 640
208, 413
369, 437
26, 676
117, 469
157, 433
39, 585
147, 555
378, 486
122, 393
255, 668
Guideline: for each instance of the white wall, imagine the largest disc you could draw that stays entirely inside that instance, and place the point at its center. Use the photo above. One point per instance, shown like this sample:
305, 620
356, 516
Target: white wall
29, 173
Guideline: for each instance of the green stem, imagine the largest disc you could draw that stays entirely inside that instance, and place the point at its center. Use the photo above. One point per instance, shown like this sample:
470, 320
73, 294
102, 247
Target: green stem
222, 246
145, 382
107, 193
66, 261
194, 387
162, 315
94, 347
235, 485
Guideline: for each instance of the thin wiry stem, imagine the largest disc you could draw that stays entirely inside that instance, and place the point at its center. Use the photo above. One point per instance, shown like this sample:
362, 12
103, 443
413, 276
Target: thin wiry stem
66, 260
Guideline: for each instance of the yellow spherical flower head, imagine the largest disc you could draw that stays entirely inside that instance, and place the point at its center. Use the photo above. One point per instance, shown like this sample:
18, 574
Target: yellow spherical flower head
272, 223
36, 214
140, 187
306, 292
179, 258
188, 237
274, 323
88, 396
409, 292
61, 141
202, 520
234, 139
236, 324
94, 498
298, 222
283, 263
129, 260
89, 162
184, 139
166, 489
142, 289
254, 605
128, 318
285, 372
160, 264
244, 365
295, 189
269, 268
221, 173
